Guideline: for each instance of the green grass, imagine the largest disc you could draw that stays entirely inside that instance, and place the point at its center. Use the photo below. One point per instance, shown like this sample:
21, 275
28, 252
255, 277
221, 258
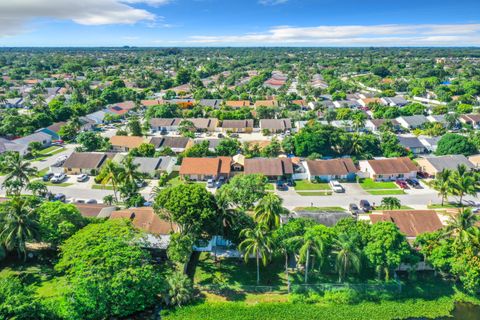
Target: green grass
401, 208
102, 187
315, 193
50, 150
386, 192
444, 206
307, 185
318, 209
369, 184
269, 187
64, 184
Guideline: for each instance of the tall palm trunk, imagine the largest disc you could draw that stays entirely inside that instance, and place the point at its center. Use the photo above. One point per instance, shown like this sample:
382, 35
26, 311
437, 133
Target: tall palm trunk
306, 265
286, 271
258, 269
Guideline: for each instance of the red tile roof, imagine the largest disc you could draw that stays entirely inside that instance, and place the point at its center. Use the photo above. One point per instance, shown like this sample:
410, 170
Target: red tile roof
411, 222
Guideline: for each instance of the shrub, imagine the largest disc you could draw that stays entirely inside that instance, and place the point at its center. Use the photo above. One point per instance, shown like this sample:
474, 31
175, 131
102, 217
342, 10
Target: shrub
342, 296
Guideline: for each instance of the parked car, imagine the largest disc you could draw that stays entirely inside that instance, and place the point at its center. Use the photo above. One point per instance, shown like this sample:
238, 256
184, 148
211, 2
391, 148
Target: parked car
422, 175
402, 184
58, 177
414, 183
353, 208
59, 197
234, 135
336, 186
82, 178
220, 135
210, 183
91, 201
46, 177
281, 186
219, 182
291, 183
141, 183
365, 205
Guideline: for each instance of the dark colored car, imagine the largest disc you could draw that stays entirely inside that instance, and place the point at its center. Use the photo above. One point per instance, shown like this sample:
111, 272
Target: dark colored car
291, 183
59, 197
46, 177
365, 205
402, 184
422, 175
281, 186
353, 208
414, 183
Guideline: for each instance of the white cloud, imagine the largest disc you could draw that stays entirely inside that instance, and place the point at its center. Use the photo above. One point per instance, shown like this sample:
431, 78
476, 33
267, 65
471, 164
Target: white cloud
381, 35
15, 14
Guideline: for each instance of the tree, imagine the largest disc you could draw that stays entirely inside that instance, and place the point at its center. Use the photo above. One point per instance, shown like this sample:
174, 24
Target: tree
18, 173
34, 148
180, 248
348, 255
100, 261
179, 291
461, 228
243, 190
268, 211
443, 184
90, 141
391, 203
19, 224
387, 248
144, 150
272, 150
452, 143
380, 71
464, 182
135, 127
18, 300
257, 243
38, 188
58, 221
109, 174
190, 206
227, 147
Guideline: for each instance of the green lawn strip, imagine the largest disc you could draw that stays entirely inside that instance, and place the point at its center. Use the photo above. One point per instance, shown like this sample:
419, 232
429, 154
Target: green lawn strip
401, 208
64, 184
50, 150
369, 184
307, 185
318, 209
386, 192
314, 193
444, 206
102, 187
42, 172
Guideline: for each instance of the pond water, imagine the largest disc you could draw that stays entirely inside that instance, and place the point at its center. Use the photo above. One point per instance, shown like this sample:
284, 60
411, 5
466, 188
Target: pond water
466, 311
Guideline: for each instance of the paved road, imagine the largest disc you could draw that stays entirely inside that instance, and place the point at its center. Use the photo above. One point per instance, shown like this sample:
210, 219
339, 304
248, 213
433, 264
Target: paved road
40, 165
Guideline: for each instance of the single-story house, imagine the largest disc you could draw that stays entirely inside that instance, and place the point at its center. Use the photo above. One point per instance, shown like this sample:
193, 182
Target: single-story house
43, 138
177, 144
10, 146
152, 166
375, 124
13, 103
151, 103
165, 124
95, 210
213, 103
272, 168
146, 219
389, 168
470, 119
365, 102
239, 126
204, 124
53, 130
122, 108
275, 125
238, 104
434, 165
85, 162
206, 168
397, 101
475, 160
265, 103
97, 117
334, 169
410, 222
346, 104
412, 122
437, 118
412, 143
212, 143
125, 143
430, 143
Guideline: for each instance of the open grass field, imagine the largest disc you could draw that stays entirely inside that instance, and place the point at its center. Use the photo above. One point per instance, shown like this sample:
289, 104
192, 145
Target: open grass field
307, 185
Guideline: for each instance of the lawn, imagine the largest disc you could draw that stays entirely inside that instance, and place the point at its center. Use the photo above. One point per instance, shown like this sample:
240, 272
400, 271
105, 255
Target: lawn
379, 208
102, 187
386, 192
315, 193
42, 172
318, 209
444, 206
269, 187
50, 150
369, 184
307, 185
64, 184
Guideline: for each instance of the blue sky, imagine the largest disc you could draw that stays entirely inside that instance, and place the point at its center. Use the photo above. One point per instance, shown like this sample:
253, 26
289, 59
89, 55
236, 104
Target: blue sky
239, 23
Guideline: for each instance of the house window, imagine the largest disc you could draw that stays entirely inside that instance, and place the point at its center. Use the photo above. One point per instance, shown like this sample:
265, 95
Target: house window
401, 175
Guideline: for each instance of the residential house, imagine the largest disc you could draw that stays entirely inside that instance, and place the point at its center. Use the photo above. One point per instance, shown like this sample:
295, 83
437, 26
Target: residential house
275, 125
10, 146
122, 108
475, 160
95, 210
213, 103
97, 117
85, 162
366, 102
412, 144
411, 223
272, 168
212, 143
43, 138
430, 143
388, 169
164, 124
434, 165
204, 124
439, 118
151, 103
375, 124
177, 144
397, 101
238, 126
345, 104
206, 168
412, 122
53, 130
13, 103
334, 169
152, 167
125, 143
145, 219
238, 104
265, 103
471, 119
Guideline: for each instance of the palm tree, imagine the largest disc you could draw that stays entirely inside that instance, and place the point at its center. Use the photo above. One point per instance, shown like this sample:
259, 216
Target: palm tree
443, 184
38, 188
310, 245
268, 211
391, 203
180, 290
348, 255
358, 121
461, 227
18, 173
451, 119
111, 176
19, 225
129, 174
257, 242
463, 183
108, 199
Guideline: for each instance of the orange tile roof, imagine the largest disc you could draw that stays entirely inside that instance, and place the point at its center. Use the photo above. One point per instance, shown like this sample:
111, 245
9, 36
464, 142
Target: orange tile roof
410, 222
238, 104
205, 166
392, 165
146, 220
126, 141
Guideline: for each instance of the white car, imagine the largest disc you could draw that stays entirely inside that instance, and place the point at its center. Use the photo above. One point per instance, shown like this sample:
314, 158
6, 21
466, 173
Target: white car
336, 186
82, 178
211, 183
58, 178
